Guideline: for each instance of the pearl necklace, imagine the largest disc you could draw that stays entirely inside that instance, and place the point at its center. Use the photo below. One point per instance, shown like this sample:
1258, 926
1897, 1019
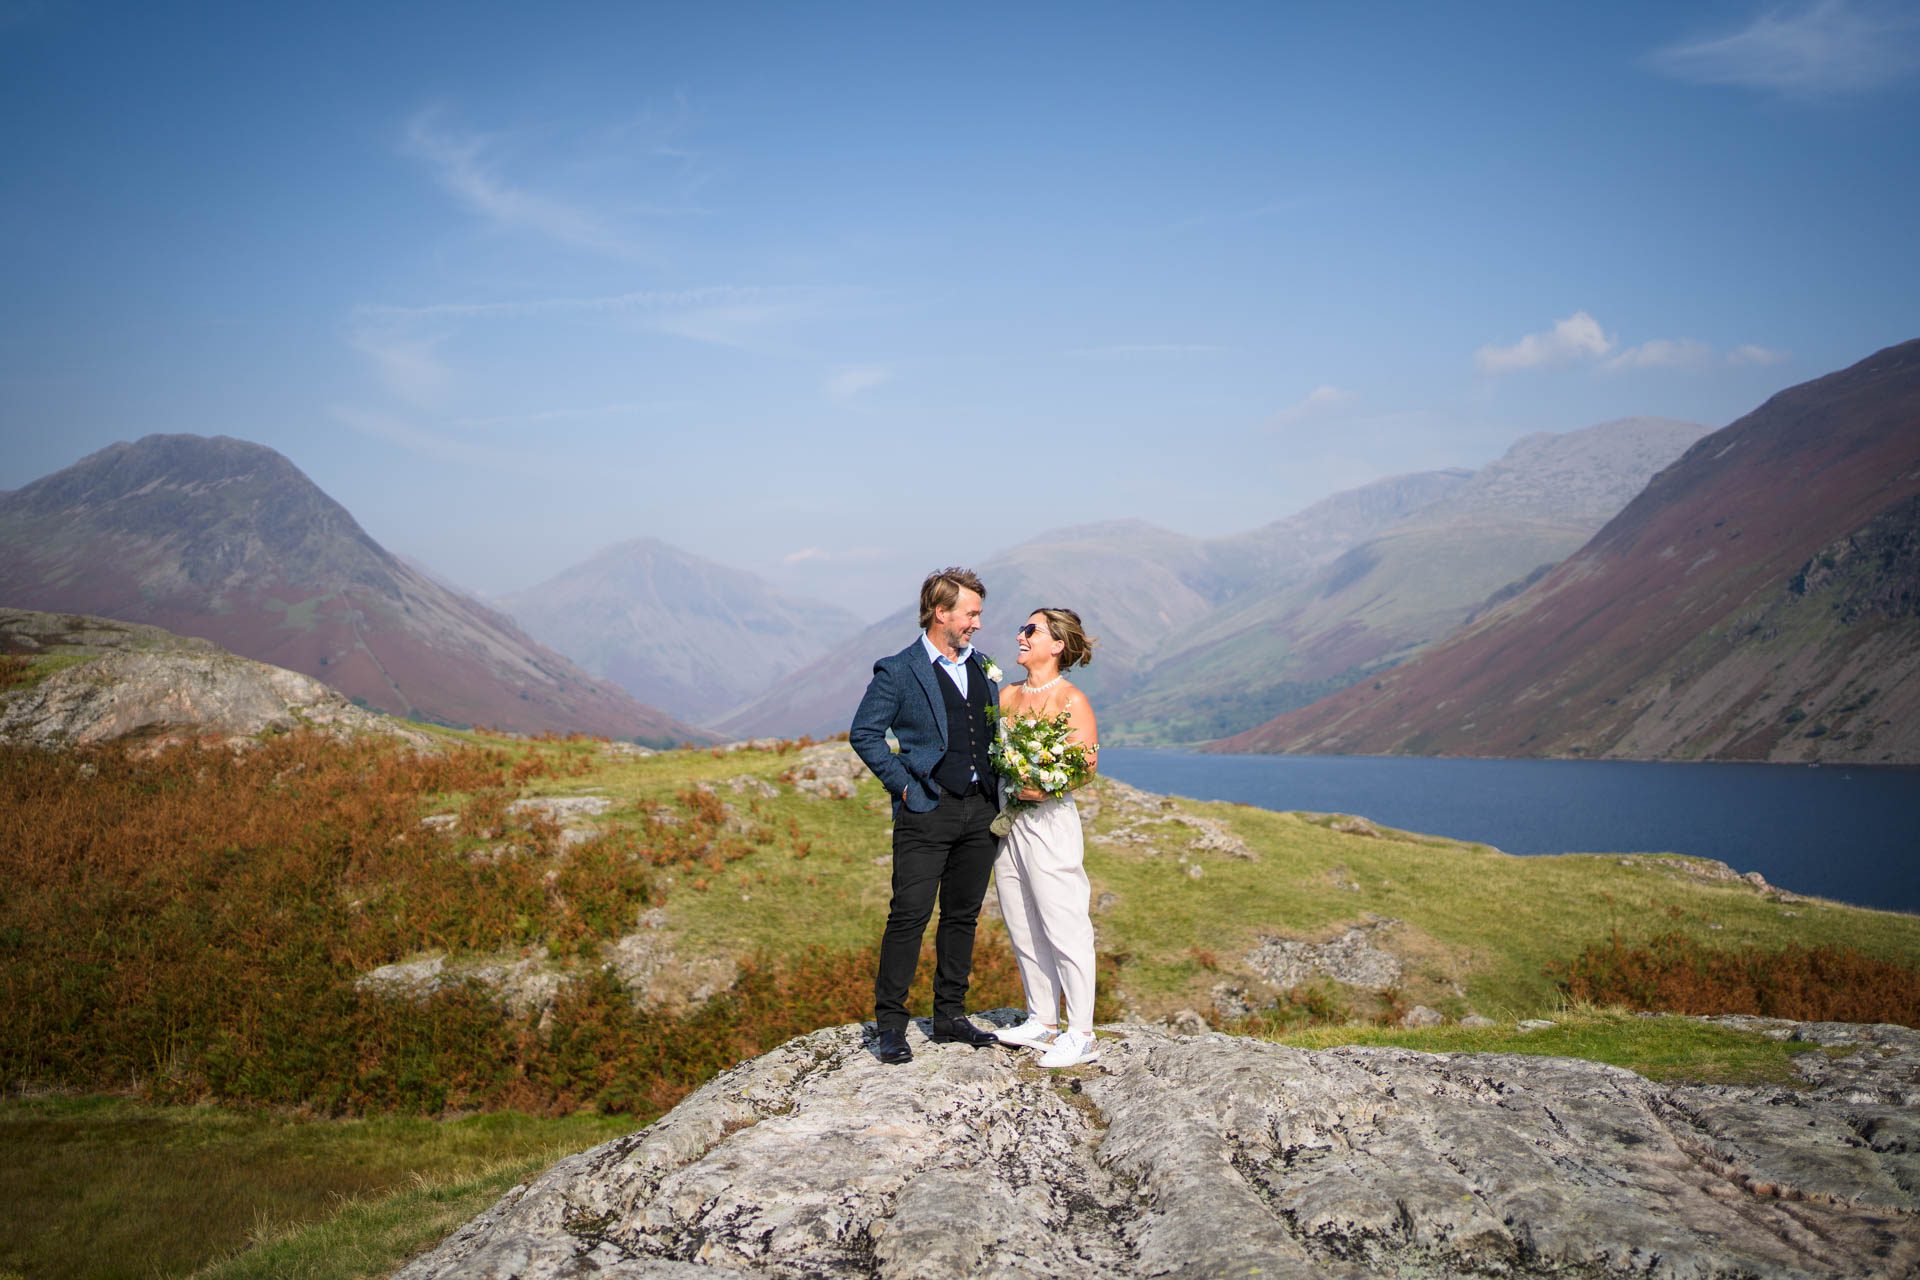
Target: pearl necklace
1032, 688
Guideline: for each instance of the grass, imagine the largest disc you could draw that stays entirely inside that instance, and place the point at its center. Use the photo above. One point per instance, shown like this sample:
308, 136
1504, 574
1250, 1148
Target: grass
1657, 1046
192, 925
1482, 929
110, 1187
20, 671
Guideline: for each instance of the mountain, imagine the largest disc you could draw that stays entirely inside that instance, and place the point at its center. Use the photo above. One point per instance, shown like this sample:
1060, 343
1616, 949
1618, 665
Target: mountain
1134, 583
229, 541
1759, 600
1391, 595
678, 632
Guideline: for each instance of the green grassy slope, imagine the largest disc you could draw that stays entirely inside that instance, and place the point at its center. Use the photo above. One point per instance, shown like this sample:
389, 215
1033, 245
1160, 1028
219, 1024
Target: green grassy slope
779, 875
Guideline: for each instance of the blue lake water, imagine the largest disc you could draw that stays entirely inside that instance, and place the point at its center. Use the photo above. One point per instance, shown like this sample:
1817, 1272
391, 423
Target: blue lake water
1834, 832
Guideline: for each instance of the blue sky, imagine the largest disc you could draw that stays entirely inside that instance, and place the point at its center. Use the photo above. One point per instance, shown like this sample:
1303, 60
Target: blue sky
842, 292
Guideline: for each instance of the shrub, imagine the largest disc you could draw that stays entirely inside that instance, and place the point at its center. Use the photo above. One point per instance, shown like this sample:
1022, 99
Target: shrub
1676, 974
194, 923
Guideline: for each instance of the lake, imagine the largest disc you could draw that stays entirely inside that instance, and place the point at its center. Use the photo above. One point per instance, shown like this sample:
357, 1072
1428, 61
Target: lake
1834, 831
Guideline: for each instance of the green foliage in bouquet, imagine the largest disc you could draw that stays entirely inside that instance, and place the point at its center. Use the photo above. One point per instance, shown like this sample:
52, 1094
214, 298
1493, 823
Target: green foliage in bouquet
1036, 753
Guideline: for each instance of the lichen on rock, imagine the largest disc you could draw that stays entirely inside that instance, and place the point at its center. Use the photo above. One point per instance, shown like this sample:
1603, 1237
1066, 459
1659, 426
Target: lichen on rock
1212, 1155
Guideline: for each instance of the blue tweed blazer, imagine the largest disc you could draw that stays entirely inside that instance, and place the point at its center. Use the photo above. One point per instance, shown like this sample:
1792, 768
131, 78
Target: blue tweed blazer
903, 697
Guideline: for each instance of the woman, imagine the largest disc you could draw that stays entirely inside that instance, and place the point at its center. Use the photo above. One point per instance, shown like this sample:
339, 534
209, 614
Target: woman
1040, 869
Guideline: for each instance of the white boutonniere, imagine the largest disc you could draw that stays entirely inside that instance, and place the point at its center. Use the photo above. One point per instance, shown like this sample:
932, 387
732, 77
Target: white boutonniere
991, 667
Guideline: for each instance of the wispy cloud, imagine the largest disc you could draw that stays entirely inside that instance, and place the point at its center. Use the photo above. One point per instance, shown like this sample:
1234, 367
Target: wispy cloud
1577, 337
845, 384
636, 300
409, 366
1829, 47
1315, 403
438, 446
467, 166
1664, 353
1147, 350
623, 408
1689, 354
820, 555
723, 315
1255, 213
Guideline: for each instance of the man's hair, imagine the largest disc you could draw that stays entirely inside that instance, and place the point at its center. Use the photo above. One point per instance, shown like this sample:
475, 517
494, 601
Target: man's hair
942, 589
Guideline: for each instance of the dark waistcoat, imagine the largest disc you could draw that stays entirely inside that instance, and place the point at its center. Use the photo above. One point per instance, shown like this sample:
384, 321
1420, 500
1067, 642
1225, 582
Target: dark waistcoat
967, 733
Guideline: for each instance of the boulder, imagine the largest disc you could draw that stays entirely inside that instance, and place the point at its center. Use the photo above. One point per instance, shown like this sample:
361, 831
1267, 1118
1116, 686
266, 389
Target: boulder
1213, 1155
1350, 958
1421, 1016
134, 681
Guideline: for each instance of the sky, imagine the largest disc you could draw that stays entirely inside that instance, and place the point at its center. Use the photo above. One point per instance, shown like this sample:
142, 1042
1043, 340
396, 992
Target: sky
839, 293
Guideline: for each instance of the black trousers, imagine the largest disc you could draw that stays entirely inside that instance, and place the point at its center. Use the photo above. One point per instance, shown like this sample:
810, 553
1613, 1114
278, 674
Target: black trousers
945, 854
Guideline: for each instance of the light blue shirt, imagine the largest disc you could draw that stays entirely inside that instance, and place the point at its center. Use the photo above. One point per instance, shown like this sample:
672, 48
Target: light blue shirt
956, 671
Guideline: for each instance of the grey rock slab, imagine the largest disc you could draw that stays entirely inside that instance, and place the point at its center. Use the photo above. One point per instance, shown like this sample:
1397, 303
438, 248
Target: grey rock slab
1351, 958
827, 771
1213, 1155
562, 808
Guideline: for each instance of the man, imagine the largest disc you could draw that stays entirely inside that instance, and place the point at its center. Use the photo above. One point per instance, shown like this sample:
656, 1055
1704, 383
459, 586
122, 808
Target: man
933, 695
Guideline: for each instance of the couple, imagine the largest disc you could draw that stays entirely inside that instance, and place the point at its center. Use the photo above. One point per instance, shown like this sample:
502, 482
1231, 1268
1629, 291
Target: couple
935, 696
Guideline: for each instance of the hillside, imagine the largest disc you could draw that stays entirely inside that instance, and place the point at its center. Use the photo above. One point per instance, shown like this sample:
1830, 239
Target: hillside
674, 630
1135, 583
1396, 592
1757, 601
68, 680
229, 541
317, 928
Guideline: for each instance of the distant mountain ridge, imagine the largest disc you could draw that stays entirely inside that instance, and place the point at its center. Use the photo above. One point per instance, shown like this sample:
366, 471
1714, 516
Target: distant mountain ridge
229, 541
1760, 599
677, 631
1135, 583
1389, 595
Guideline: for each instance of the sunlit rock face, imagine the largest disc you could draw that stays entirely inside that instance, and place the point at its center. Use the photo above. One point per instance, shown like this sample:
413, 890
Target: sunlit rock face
1212, 1155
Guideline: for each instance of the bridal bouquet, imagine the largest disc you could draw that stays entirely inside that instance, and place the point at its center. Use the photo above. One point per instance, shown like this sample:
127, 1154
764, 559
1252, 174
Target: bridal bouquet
1034, 753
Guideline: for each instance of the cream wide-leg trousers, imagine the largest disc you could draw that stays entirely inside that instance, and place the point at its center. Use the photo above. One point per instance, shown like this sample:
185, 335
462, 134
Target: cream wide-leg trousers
1044, 896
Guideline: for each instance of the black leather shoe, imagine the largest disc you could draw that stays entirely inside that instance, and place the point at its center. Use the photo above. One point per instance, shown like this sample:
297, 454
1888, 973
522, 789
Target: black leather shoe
960, 1031
890, 1046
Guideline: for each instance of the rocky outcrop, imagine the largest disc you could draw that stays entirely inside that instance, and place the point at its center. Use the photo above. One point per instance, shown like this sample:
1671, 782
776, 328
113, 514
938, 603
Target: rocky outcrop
134, 681
1350, 958
1210, 1156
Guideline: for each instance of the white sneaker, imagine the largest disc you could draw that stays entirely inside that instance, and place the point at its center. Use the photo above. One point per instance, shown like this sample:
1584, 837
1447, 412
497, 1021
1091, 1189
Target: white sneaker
1070, 1049
1032, 1033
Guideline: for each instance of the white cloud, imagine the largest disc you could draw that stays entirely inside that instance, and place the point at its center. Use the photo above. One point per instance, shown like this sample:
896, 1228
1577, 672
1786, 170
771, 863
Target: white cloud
622, 408
1833, 46
465, 166
1578, 337
848, 383
1686, 353
1315, 402
643, 300
409, 366
723, 315
1664, 353
820, 555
